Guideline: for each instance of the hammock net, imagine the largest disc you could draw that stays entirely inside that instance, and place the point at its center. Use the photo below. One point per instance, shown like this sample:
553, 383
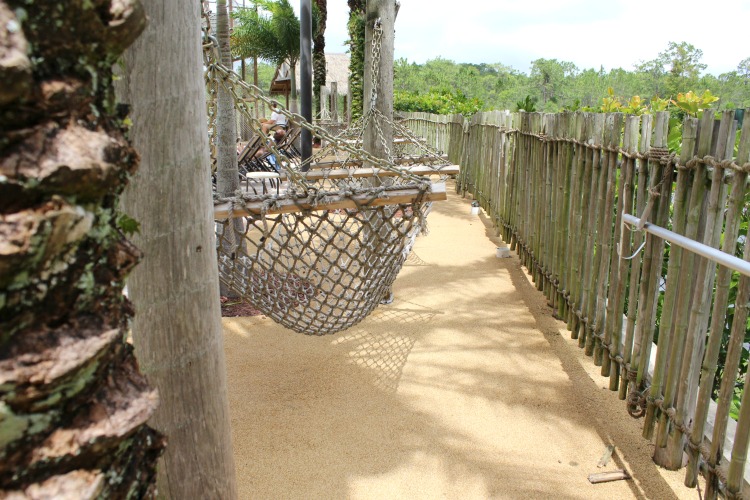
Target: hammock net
317, 244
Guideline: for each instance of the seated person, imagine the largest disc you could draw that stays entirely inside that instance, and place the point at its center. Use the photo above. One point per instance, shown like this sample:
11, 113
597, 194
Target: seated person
278, 138
277, 120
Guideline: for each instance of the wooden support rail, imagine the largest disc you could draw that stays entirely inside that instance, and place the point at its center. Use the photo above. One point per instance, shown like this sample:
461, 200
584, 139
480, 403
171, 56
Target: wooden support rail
283, 206
404, 160
345, 173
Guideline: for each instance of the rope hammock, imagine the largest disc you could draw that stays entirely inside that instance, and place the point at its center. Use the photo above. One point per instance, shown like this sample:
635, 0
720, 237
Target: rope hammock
316, 244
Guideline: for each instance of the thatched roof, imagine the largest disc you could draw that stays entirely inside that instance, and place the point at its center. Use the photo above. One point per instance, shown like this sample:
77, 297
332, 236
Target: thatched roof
337, 70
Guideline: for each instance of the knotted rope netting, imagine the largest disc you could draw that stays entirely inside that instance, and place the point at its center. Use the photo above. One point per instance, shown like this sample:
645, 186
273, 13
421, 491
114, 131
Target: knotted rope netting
319, 247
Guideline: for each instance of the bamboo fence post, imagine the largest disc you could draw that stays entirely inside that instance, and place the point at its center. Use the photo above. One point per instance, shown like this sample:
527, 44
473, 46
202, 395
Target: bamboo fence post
536, 154
528, 235
508, 147
739, 450
497, 154
597, 204
705, 274
513, 176
507, 137
575, 225
557, 230
635, 266
673, 461
560, 227
619, 266
567, 165
548, 210
604, 234
537, 213
583, 263
512, 159
553, 209
605, 242
736, 471
521, 166
654, 249
734, 349
592, 159
690, 127
498, 181
519, 181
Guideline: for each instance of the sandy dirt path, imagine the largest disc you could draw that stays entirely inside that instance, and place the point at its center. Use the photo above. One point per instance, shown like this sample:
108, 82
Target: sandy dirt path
465, 387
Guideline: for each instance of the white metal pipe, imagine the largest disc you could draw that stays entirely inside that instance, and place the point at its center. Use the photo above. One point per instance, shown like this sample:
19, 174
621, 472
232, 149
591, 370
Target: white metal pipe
721, 258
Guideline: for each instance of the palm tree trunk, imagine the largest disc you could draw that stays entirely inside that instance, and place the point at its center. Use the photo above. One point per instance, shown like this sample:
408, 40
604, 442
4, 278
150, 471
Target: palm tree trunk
227, 176
227, 173
293, 105
73, 405
177, 329
319, 52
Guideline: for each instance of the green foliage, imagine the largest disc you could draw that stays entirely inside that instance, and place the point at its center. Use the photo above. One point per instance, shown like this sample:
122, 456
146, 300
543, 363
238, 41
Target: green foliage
528, 104
128, 225
270, 30
438, 101
693, 104
356, 42
561, 85
610, 104
635, 106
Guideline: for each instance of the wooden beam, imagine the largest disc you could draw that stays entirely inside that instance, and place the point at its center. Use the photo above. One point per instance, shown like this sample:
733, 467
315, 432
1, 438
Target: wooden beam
403, 196
405, 160
346, 173
396, 140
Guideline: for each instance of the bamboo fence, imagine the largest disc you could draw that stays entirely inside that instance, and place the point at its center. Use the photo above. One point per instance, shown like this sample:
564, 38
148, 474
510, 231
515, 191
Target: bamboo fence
653, 315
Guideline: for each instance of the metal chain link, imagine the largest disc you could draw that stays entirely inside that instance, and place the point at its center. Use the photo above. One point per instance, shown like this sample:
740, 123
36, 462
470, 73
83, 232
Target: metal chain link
216, 72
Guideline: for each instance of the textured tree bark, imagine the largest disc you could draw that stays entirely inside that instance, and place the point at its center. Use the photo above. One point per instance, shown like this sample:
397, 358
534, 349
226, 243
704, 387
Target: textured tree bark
319, 53
73, 405
177, 330
227, 173
385, 12
227, 177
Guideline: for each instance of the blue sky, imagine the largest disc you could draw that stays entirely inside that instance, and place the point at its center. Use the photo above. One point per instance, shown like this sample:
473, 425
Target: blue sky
589, 33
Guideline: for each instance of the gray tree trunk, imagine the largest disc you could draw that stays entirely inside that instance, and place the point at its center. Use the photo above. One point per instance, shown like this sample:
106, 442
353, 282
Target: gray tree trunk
177, 330
385, 10
227, 177
73, 404
378, 84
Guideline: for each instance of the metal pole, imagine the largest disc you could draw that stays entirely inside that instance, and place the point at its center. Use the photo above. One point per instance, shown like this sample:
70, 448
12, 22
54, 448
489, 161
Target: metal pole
721, 258
306, 76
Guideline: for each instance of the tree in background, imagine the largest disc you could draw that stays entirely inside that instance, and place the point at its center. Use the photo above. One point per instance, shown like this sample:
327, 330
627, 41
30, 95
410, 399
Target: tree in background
683, 61
438, 101
73, 404
552, 78
651, 76
319, 52
565, 87
743, 70
272, 32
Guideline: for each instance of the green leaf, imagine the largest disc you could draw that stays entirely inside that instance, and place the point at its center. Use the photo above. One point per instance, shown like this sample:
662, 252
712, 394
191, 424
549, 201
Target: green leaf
128, 225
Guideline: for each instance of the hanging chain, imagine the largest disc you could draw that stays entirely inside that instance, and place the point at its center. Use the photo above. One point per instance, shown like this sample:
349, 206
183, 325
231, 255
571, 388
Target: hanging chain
216, 72
374, 114
377, 42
